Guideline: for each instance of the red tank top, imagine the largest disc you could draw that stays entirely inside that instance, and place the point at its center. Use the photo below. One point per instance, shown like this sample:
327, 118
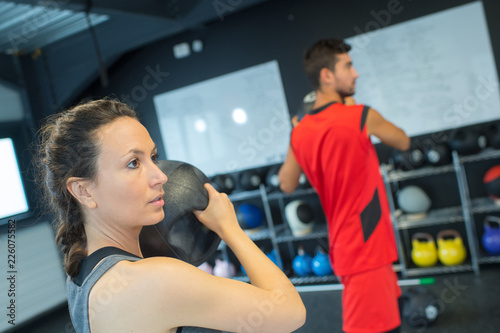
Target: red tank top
332, 147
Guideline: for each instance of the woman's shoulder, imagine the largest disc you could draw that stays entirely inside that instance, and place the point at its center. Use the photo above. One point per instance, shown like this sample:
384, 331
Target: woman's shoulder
135, 291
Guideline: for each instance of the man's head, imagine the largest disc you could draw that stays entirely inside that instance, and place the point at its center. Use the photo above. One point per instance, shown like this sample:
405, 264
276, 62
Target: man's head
328, 64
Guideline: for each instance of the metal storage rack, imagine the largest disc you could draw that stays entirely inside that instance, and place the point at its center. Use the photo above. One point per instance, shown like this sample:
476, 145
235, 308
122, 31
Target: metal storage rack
459, 214
463, 214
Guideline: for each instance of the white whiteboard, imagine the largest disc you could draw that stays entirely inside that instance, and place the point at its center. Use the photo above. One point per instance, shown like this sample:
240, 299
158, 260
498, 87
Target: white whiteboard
429, 74
197, 124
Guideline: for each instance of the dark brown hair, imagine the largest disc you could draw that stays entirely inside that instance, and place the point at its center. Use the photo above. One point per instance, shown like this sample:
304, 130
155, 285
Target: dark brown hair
323, 54
69, 147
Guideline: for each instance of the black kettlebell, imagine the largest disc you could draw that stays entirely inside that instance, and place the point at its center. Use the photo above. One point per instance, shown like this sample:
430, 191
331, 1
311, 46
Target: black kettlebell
250, 180
272, 179
437, 154
493, 135
180, 234
467, 141
224, 183
408, 160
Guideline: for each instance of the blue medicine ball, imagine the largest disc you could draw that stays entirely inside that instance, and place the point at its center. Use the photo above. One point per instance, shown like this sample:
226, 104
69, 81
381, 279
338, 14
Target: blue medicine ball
249, 216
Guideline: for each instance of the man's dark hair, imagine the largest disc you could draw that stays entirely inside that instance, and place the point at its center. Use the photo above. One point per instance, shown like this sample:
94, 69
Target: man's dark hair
323, 54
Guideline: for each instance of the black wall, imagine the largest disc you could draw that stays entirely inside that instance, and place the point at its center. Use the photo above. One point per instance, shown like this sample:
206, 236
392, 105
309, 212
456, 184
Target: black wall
278, 29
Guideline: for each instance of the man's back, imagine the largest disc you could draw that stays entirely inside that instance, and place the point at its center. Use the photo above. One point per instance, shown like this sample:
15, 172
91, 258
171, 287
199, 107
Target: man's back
334, 151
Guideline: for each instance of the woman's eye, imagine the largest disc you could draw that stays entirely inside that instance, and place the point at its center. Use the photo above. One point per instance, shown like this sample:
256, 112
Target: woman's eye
155, 158
133, 164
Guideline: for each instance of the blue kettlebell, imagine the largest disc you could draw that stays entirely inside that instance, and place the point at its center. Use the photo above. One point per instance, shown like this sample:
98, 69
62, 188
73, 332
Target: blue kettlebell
321, 264
302, 263
491, 236
272, 256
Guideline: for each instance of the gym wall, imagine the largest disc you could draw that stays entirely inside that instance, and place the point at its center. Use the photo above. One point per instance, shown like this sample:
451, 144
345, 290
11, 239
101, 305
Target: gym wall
279, 30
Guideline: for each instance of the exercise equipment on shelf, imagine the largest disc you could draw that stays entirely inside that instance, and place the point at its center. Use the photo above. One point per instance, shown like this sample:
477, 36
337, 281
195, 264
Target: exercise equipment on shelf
491, 235
321, 263
424, 251
249, 216
272, 179
224, 268
300, 217
467, 141
206, 267
493, 134
302, 263
224, 183
408, 160
438, 154
451, 250
491, 181
414, 201
250, 180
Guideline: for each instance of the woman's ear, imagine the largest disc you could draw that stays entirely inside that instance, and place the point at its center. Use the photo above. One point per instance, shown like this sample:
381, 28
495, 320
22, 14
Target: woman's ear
80, 190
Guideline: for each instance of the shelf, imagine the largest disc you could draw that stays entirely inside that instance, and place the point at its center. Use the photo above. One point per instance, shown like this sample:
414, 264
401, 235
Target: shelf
301, 191
434, 217
242, 278
438, 270
255, 235
486, 154
484, 205
489, 260
238, 196
285, 235
312, 235
296, 280
398, 175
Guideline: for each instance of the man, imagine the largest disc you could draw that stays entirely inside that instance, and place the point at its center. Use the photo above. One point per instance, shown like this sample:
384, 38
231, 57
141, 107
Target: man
332, 146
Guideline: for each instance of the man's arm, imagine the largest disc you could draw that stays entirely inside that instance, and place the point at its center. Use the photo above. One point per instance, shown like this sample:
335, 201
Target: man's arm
386, 131
289, 173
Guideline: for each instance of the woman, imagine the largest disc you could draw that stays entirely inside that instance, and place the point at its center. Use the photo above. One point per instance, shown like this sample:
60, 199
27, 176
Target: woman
98, 168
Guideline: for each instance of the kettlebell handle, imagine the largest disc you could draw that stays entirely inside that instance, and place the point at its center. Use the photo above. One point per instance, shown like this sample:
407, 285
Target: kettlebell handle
450, 232
489, 220
423, 235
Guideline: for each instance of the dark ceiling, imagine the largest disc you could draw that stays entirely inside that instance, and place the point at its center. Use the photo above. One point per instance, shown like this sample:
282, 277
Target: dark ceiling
26, 25
72, 49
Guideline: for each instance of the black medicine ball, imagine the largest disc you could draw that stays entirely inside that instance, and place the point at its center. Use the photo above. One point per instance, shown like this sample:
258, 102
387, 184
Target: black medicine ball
467, 141
224, 183
493, 135
272, 179
180, 234
419, 306
250, 180
438, 154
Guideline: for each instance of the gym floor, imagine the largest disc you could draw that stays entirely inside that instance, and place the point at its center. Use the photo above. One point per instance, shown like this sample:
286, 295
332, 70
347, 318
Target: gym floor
469, 304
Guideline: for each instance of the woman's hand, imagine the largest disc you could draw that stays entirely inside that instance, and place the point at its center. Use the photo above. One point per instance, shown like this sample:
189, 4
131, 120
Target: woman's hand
219, 216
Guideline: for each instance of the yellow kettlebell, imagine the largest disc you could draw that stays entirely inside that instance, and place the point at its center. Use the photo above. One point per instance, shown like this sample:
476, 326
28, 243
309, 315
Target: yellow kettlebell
451, 249
423, 252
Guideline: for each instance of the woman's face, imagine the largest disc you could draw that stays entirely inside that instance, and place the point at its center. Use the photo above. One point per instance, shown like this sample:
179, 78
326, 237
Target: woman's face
128, 183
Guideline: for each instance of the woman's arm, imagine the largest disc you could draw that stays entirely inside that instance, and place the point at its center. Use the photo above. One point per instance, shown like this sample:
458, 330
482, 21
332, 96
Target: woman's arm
183, 295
